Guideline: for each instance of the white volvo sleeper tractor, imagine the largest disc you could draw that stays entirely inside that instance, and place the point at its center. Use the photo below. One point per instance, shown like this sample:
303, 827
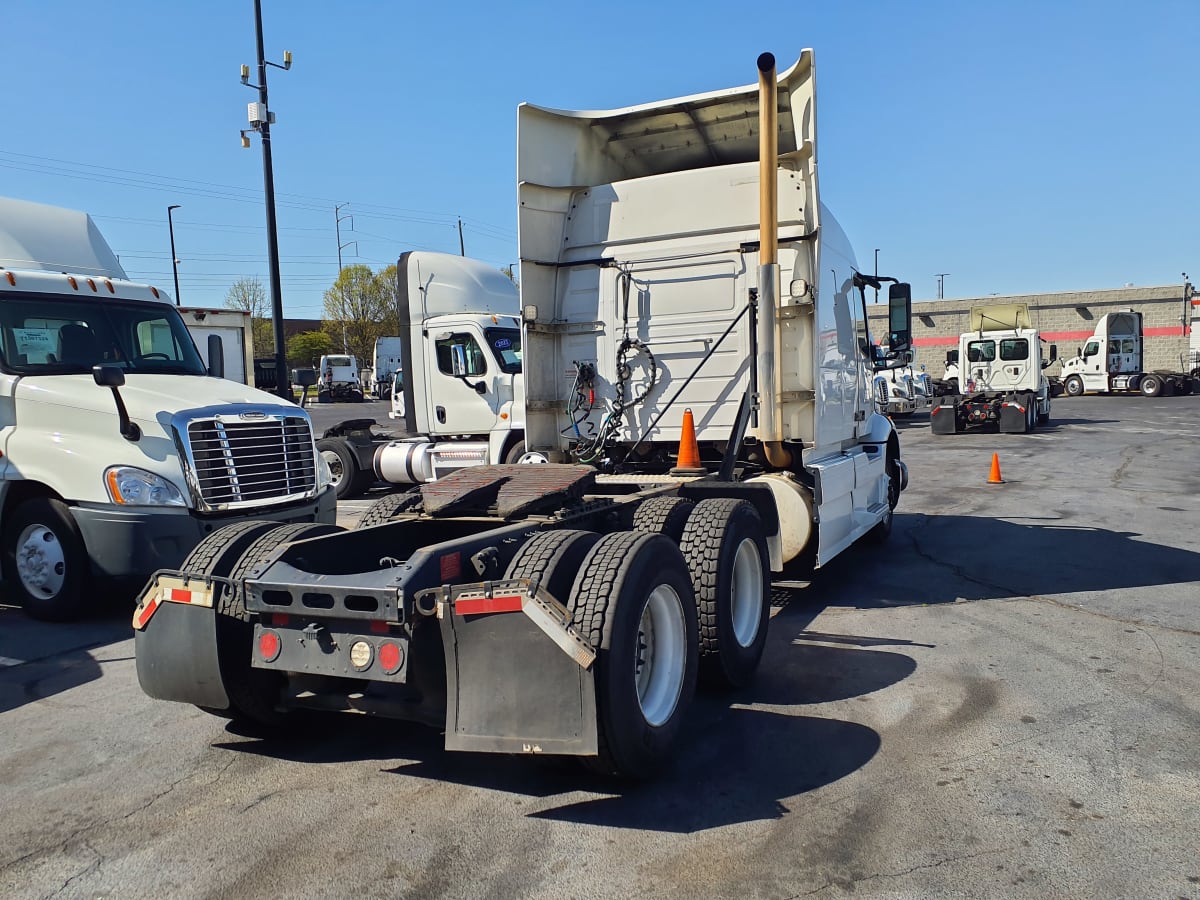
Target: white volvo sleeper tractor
999, 379
119, 450
696, 357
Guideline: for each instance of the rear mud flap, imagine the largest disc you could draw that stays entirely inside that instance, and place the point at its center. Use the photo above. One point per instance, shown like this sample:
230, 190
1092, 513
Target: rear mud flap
518, 679
1012, 418
942, 418
176, 653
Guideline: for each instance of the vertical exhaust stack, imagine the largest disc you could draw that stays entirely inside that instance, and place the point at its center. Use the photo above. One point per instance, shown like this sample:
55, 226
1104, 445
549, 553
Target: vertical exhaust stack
769, 429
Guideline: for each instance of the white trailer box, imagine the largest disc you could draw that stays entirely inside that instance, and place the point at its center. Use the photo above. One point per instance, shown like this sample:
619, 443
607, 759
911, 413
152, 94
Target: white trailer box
233, 328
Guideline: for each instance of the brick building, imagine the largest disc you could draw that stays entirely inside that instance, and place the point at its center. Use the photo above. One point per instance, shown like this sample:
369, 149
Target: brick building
1066, 319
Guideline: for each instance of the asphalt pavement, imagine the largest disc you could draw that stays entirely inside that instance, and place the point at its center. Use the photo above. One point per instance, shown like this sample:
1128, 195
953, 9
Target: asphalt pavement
1002, 701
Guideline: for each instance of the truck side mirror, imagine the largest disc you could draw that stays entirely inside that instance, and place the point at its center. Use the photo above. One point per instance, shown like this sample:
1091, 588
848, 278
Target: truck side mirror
216, 356
109, 376
899, 317
113, 377
458, 360
1053, 352
306, 378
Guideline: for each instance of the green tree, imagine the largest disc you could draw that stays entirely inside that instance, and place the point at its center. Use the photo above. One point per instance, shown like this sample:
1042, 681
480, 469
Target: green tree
305, 350
359, 308
249, 294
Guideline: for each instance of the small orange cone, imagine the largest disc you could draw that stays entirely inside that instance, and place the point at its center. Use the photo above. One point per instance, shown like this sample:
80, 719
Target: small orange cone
994, 477
688, 462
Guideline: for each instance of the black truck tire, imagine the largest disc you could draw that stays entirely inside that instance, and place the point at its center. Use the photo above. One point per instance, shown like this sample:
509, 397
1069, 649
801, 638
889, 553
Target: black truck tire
632, 601
385, 508
663, 515
349, 478
726, 553
1073, 386
45, 562
1150, 385
554, 557
253, 692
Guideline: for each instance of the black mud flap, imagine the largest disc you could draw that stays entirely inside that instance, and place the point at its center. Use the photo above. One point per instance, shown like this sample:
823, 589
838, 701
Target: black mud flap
175, 644
1012, 418
943, 417
518, 677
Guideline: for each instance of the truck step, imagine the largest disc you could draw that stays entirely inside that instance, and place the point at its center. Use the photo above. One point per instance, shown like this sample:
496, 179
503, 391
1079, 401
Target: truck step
514, 490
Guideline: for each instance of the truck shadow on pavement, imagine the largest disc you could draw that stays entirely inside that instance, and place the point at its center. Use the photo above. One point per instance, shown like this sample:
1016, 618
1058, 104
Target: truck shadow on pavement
948, 558
41, 659
740, 755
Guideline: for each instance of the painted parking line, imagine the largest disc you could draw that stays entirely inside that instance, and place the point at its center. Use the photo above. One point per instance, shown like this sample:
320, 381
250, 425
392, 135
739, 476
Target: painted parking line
9, 661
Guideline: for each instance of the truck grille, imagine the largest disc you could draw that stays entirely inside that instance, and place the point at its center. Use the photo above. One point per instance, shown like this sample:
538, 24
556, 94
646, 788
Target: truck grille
240, 463
926, 384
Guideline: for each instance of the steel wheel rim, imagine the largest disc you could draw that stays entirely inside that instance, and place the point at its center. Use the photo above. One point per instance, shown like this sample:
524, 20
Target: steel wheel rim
41, 562
660, 656
747, 592
336, 470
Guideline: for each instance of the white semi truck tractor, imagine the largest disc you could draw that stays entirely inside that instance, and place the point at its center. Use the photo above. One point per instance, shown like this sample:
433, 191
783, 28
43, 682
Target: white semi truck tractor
119, 449
1111, 361
461, 399
999, 379
696, 356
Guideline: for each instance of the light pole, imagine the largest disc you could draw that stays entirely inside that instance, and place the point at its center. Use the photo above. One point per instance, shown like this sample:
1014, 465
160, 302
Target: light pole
337, 228
174, 259
940, 276
260, 120
876, 273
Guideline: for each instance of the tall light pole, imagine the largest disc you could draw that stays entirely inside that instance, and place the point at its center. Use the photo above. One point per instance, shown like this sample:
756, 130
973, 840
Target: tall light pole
260, 120
876, 273
337, 229
940, 276
174, 259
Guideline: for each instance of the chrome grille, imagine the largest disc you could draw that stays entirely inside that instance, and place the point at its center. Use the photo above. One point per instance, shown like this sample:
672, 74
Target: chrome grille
239, 462
926, 383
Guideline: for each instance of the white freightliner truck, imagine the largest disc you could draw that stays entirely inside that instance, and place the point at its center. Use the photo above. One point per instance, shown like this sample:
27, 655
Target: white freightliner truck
681, 336
902, 391
118, 451
462, 402
386, 363
999, 379
338, 379
1111, 362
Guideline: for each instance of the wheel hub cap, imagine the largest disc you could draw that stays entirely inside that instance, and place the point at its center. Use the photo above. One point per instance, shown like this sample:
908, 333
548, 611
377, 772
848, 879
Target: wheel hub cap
335, 466
747, 592
660, 655
41, 562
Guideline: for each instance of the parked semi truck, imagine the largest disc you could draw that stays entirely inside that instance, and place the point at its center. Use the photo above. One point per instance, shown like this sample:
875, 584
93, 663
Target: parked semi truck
676, 354
119, 450
338, 382
462, 402
902, 391
1111, 361
1002, 381
386, 363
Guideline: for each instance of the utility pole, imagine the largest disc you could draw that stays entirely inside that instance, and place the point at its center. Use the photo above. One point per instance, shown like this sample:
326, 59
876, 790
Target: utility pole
174, 259
337, 227
462, 250
261, 119
940, 276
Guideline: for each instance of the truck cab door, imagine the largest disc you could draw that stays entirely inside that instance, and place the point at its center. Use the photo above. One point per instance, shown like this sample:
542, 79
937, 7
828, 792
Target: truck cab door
456, 403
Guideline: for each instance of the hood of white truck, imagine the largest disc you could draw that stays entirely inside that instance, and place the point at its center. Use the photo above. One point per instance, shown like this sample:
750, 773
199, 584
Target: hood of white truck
149, 398
67, 428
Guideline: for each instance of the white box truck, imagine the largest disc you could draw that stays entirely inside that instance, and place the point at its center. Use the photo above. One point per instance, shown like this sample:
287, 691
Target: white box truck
233, 329
678, 339
118, 450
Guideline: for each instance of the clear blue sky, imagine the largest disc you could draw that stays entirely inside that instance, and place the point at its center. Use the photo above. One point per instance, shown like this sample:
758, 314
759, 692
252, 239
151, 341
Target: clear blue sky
1018, 146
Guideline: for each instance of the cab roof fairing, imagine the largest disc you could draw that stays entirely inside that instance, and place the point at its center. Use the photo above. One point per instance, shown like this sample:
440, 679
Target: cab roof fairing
564, 148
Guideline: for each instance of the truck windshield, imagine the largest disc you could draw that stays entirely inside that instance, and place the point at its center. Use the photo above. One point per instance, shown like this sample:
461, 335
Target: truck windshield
506, 345
55, 335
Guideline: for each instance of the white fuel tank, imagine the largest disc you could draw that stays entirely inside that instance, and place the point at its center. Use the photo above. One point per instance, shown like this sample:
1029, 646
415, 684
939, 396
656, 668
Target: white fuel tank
416, 462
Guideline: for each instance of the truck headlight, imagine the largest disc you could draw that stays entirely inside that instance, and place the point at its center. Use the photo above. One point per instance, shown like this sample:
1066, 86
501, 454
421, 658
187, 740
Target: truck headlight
130, 486
324, 476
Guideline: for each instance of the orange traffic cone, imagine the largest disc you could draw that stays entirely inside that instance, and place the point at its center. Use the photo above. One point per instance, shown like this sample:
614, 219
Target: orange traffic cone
688, 462
994, 477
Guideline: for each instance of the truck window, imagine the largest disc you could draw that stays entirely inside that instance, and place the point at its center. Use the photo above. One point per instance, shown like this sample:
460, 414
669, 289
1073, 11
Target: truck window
506, 345
1127, 345
1091, 348
981, 351
47, 335
1014, 348
337, 362
476, 364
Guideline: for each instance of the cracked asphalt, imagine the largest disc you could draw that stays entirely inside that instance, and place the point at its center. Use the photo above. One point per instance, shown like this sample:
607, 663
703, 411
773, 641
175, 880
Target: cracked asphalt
1002, 701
